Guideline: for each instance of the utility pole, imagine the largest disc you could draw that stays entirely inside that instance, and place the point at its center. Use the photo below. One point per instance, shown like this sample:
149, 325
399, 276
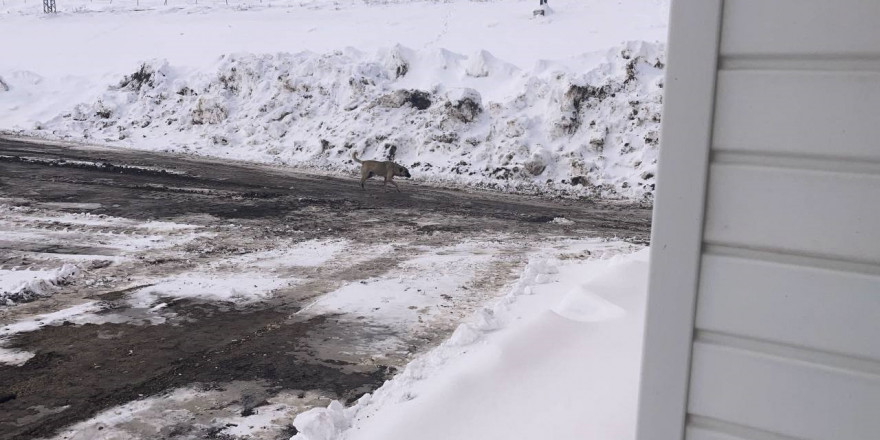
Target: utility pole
49, 6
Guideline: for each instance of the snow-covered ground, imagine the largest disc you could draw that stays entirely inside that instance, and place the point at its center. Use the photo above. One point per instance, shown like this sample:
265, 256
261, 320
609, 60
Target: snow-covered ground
72, 233
474, 93
429, 290
561, 317
557, 358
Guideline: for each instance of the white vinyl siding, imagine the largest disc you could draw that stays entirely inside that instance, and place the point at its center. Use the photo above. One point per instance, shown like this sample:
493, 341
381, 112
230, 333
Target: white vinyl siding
784, 316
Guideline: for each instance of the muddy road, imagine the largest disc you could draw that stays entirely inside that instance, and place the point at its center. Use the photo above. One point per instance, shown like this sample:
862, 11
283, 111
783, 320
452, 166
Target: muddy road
155, 242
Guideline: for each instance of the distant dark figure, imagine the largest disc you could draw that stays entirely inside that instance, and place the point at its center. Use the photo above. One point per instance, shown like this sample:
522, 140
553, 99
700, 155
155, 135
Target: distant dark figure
540, 11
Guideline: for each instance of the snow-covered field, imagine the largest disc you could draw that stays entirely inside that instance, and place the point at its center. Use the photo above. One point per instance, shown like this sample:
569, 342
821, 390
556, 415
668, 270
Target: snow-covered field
462, 92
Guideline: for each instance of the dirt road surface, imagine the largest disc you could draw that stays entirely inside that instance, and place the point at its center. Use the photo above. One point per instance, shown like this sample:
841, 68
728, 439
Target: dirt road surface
132, 221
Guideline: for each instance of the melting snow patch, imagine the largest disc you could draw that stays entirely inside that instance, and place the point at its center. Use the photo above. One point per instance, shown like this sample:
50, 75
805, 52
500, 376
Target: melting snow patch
79, 314
311, 253
204, 413
412, 292
10, 356
31, 285
241, 288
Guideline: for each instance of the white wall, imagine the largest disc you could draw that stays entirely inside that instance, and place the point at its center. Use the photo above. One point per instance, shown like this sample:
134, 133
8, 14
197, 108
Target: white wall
764, 306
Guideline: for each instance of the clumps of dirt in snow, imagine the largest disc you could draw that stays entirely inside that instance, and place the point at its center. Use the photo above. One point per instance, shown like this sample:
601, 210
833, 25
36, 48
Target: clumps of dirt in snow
452, 119
417, 99
464, 105
208, 111
143, 77
3, 86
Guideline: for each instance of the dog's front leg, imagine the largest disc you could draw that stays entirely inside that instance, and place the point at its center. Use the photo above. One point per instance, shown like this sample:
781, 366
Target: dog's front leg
395, 185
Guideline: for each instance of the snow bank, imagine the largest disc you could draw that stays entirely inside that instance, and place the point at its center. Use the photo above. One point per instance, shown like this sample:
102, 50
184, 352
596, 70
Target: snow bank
469, 98
451, 118
564, 365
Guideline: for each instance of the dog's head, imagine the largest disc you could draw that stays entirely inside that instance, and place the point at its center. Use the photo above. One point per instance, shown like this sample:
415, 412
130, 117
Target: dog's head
401, 171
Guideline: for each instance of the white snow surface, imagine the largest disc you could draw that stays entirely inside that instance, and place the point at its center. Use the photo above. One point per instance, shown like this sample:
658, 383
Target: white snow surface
473, 93
416, 290
558, 357
241, 288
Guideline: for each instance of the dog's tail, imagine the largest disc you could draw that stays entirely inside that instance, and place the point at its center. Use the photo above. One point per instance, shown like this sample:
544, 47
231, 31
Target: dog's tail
354, 155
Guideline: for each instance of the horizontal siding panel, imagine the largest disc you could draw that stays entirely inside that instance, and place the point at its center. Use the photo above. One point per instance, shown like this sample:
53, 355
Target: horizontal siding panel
793, 112
828, 310
800, 27
696, 433
782, 396
832, 215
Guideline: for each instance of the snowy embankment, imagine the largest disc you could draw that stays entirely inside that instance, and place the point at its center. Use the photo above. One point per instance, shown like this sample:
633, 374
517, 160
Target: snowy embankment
557, 358
561, 128
461, 91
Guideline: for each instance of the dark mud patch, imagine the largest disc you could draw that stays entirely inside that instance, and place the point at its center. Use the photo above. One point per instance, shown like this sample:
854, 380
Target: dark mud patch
101, 166
309, 204
430, 229
76, 368
541, 218
41, 248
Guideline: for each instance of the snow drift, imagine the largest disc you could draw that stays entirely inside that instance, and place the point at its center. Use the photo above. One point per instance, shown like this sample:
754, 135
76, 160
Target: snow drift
560, 128
516, 369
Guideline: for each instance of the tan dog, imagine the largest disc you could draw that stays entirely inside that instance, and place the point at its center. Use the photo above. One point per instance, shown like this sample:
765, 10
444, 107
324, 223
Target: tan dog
384, 168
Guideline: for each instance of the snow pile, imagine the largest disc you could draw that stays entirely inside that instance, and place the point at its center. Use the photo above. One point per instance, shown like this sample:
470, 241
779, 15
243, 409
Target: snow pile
553, 349
451, 118
26, 286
